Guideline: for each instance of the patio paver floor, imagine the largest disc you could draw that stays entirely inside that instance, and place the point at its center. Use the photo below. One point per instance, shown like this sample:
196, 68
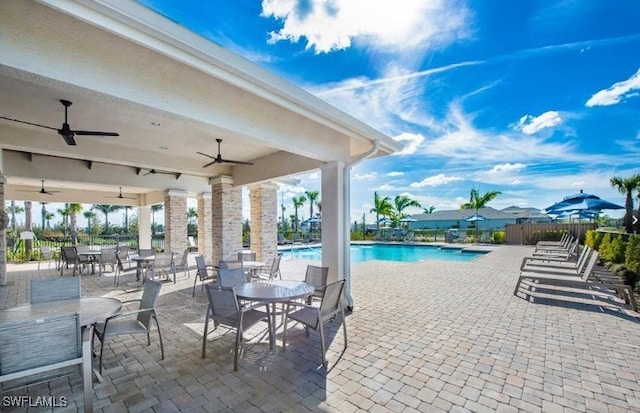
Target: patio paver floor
426, 337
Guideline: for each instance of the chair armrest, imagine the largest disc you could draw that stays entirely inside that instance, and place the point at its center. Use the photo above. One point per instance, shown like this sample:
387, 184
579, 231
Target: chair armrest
298, 304
128, 313
131, 301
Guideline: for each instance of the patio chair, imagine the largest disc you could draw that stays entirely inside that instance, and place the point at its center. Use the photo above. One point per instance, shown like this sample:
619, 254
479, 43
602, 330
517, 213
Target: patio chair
541, 263
570, 279
229, 277
107, 257
316, 276
224, 310
561, 242
54, 289
560, 252
69, 256
202, 273
317, 317
119, 268
133, 322
32, 347
46, 254
282, 240
183, 264
162, 264
274, 270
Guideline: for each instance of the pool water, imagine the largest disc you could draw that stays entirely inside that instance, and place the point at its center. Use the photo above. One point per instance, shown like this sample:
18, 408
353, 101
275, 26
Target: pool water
388, 252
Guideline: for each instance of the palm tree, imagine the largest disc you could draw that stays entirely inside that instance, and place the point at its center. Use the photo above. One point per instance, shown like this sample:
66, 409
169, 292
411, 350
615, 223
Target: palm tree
312, 196
126, 208
626, 186
429, 210
43, 213
48, 216
192, 214
29, 227
154, 209
74, 210
106, 210
14, 209
297, 203
90, 216
64, 212
400, 203
381, 206
477, 201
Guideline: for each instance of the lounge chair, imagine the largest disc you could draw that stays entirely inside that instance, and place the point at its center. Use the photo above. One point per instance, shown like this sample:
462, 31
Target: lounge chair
542, 264
569, 279
282, 240
563, 240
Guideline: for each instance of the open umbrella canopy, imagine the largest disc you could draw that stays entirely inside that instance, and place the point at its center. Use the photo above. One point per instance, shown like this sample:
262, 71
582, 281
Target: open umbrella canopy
580, 202
408, 219
312, 220
475, 217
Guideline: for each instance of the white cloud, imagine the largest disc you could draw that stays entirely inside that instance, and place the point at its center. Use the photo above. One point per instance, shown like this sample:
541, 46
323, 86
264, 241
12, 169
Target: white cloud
394, 174
508, 167
386, 187
410, 141
436, 180
365, 177
333, 25
616, 93
531, 125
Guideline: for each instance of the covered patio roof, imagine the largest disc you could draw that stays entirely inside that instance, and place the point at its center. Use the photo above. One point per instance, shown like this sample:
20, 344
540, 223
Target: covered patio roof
168, 92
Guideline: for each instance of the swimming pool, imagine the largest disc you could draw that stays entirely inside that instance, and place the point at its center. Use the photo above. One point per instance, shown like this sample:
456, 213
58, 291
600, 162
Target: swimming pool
388, 252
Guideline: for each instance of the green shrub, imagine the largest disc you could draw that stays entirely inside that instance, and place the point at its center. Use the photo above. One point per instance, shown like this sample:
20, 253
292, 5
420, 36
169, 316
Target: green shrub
590, 238
605, 247
498, 237
632, 256
617, 249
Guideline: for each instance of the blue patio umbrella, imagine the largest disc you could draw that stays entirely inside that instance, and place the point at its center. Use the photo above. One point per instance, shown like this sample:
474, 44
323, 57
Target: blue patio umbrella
581, 202
312, 220
475, 217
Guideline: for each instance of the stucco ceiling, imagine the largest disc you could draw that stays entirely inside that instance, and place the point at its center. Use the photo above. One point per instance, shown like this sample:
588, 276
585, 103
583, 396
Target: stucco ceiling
168, 93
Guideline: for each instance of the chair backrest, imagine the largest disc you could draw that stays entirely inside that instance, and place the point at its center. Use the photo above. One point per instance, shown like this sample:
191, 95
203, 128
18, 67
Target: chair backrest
146, 252
201, 266
223, 305
30, 344
46, 253
148, 300
54, 289
331, 299
163, 260
316, 276
108, 255
592, 263
184, 261
246, 256
230, 264
69, 253
275, 266
231, 277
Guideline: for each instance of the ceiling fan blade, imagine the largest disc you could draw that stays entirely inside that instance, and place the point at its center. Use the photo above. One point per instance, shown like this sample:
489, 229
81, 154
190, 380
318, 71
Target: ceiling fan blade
207, 155
95, 133
236, 162
209, 164
68, 137
28, 123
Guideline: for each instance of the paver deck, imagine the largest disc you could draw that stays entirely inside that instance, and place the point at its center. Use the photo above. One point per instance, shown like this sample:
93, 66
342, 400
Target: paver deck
424, 337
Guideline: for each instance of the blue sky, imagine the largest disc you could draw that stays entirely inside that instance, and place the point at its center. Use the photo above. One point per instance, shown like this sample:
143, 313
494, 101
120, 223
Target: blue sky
536, 99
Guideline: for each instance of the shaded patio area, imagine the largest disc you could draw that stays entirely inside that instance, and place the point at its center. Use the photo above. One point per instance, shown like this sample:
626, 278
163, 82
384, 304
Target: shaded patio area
428, 336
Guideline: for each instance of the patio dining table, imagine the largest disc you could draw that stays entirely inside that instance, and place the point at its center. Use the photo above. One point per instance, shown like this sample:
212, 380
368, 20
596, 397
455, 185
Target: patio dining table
141, 261
272, 292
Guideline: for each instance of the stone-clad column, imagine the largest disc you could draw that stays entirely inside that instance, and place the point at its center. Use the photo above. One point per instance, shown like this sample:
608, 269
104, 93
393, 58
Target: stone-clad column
226, 219
175, 221
3, 237
205, 237
264, 221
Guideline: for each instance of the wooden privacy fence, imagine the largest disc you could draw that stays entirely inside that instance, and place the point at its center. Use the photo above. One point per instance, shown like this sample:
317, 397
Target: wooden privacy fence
529, 234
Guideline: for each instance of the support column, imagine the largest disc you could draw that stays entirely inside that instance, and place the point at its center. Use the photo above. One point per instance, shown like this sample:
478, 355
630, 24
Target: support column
226, 219
144, 226
264, 220
175, 221
205, 236
333, 220
4, 219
